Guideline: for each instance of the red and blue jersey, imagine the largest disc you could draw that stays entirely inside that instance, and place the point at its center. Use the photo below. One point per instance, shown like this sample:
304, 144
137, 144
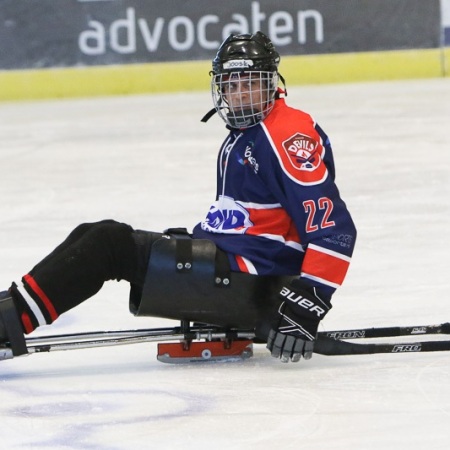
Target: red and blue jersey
278, 210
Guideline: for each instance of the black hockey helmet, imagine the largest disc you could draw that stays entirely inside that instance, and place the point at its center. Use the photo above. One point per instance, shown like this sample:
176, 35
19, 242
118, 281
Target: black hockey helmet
242, 57
246, 52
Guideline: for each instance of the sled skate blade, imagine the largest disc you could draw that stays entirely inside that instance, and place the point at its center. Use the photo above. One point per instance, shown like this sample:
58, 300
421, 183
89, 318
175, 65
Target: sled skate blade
182, 352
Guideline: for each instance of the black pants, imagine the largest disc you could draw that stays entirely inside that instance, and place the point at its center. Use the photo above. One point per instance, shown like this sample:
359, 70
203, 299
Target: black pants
92, 254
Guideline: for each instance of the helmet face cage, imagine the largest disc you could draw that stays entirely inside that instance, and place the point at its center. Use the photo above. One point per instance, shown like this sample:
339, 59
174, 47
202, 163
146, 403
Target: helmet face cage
245, 79
244, 98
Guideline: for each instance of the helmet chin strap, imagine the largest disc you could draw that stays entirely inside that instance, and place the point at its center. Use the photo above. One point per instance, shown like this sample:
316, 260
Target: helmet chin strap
284, 86
208, 115
233, 119
211, 112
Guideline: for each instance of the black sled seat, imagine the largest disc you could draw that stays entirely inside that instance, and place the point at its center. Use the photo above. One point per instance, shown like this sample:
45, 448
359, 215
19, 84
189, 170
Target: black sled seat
190, 280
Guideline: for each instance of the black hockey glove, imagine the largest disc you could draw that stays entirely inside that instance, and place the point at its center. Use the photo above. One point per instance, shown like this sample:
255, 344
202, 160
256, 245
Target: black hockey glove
294, 329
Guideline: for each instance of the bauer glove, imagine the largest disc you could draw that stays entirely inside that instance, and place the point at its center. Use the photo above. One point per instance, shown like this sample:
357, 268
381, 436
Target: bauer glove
295, 327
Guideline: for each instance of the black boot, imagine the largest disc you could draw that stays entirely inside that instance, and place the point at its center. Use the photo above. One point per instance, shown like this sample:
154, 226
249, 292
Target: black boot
12, 339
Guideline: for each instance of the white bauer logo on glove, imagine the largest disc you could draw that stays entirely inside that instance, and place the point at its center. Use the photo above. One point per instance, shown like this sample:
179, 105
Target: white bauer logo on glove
302, 301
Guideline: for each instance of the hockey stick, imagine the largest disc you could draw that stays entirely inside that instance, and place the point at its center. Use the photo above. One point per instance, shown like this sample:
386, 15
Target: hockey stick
332, 343
382, 332
329, 346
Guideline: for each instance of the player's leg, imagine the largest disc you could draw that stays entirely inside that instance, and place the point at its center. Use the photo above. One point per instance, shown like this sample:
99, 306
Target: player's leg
76, 270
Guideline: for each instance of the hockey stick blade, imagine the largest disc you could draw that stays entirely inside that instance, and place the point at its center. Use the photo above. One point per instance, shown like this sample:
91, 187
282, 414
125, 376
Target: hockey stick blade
334, 342
328, 346
382, 332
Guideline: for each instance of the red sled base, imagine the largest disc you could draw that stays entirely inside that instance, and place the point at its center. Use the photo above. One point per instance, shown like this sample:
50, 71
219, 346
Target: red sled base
188, 351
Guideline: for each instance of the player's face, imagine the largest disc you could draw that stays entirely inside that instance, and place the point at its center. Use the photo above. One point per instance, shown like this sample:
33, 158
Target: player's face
245, 91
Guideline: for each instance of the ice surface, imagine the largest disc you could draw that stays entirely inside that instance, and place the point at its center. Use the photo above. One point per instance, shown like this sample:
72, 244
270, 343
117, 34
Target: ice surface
148, 161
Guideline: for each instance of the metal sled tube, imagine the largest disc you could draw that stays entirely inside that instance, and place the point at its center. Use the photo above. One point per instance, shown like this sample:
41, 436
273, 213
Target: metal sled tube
67, 342
98, 335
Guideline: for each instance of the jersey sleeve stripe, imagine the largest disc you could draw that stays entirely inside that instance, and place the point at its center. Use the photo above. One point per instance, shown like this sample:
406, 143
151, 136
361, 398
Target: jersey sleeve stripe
320, 280
326, 265
329, 252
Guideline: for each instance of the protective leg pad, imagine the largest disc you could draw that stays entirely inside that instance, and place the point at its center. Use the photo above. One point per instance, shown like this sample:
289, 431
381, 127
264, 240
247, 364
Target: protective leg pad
245, 302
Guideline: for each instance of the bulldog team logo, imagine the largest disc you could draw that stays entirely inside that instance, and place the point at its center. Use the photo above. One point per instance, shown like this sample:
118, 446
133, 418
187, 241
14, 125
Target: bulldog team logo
302, 152
301, 159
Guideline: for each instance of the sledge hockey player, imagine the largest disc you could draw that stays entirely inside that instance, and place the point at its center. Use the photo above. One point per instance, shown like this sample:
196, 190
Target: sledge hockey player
274, 246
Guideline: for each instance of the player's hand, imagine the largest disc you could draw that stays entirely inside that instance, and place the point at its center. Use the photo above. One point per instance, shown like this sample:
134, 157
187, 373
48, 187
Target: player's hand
295, 327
